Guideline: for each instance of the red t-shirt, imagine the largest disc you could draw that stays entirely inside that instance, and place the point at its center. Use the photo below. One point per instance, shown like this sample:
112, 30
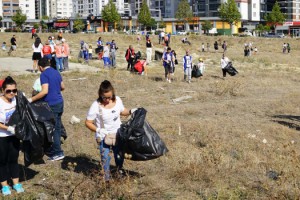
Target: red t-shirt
46, 50
139, 66
33, 31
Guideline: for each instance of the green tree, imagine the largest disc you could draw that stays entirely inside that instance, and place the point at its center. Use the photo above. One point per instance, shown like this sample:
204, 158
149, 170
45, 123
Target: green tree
161, 24
144, 16
110, 13
184, 12
206, 26
45, 17
275, 16
229, 13
19, 18
78, 24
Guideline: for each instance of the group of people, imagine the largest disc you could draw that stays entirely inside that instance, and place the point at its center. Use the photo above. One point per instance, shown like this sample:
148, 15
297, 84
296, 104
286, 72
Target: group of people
248, 49
57, 52
286, 48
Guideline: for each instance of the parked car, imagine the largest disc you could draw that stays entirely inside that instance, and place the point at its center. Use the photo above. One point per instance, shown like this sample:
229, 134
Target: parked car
274, 35
182, 32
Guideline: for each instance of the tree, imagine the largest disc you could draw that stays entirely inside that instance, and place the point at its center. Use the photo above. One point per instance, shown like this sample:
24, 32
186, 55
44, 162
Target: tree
206, 26
229, 13
161, 24
184, 12
19, 18
110, 13
144, 16
78, 24
275, 16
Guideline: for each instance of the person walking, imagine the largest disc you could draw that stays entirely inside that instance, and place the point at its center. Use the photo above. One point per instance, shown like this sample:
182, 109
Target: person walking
203, 47
106, 56
149, 46
33, 32
168, 61
224, 46
37, 53
100, 48
59, 56
288, 47
216, 46
65, 54
104, 118
187, 66
47, 51
130, 57
9, 144
224, 63
113, 51
52, 85
13, 46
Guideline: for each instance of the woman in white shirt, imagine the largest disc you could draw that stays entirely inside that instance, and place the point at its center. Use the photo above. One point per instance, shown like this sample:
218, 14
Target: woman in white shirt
37, 53
224, 62
104, 118
9, 144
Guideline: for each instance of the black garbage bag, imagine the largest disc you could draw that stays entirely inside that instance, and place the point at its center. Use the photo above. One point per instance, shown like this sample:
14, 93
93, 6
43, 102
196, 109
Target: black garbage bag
137, 138
34, 125
196, 73
230, 69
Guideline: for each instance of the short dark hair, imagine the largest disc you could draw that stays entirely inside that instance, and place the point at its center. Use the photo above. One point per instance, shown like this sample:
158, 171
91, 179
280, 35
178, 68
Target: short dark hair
44, 62
8, 81
105, 87
169, 48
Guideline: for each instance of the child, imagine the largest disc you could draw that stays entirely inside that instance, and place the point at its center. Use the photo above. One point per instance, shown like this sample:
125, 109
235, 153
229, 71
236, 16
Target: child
201, 65
203, 47
255, 50
90, 52
4, 46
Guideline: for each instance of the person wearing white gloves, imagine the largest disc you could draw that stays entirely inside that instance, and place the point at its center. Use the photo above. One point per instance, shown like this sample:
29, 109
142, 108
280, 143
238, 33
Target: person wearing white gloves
9, 144
104, 118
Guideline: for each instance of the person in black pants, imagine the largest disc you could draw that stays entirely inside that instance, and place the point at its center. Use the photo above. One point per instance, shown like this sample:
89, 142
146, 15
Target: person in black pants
130, 57
9, 144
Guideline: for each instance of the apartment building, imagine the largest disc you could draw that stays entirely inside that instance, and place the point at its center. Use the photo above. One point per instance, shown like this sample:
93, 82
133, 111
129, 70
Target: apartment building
9, 8
28, 8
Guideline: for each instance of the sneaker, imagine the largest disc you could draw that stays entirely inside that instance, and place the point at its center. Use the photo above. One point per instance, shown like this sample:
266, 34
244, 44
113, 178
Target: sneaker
18, 187
6, 190
169, 80
56, 157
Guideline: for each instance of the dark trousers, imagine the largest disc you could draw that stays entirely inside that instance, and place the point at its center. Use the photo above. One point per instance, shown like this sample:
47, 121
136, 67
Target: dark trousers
224, 72
9, 154
57, 110
130, 64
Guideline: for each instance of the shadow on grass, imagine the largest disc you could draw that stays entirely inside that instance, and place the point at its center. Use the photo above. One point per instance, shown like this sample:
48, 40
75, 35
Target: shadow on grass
88, 166
290, 121
26, 173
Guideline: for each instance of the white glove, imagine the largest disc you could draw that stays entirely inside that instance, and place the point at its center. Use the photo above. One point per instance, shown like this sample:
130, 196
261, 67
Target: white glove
11, 129
101, 133
30, 100
133, 110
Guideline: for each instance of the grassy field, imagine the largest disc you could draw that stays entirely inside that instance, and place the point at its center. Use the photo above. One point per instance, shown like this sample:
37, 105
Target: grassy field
235, 138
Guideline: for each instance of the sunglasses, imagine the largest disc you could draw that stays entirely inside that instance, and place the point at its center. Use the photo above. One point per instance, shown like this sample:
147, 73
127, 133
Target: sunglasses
106, 98
11, 91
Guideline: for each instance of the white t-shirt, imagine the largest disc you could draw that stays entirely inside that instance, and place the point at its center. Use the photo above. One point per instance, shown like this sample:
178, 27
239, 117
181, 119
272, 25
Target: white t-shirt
106, 52
188, 60
201, 66
224, 62
38, 49
6, 110
111, 117
162, 34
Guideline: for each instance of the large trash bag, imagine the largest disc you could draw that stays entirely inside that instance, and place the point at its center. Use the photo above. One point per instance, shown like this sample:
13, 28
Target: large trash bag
138, 139
196, 72
34, 125
230, 69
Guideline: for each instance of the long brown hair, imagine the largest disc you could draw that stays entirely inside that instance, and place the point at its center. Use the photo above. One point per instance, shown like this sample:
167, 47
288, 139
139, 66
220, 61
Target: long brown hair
105, 87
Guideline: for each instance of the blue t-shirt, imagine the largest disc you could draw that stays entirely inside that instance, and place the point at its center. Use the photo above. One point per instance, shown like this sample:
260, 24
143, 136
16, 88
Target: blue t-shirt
53, 78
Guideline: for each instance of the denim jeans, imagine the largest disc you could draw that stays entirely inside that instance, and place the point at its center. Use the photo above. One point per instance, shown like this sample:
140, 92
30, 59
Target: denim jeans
48, 56
105, 158
57, 110
59, 63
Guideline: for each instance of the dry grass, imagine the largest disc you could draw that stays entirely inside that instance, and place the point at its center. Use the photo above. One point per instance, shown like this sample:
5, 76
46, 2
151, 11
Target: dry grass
224, 142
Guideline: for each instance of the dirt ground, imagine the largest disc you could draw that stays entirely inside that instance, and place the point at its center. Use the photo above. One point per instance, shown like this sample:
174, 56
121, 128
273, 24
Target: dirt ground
232, 138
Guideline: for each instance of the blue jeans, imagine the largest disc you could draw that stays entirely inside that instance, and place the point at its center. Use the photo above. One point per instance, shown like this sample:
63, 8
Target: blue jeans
105, 158
57, 110
59, 63
48, 56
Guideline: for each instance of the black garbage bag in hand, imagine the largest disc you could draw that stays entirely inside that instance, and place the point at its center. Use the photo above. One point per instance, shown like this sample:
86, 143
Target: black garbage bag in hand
137, 138
34, 125
230, 69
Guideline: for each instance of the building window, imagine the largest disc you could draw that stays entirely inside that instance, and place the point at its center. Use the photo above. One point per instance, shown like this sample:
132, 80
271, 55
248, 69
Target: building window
254, 5
27, 5
254, 14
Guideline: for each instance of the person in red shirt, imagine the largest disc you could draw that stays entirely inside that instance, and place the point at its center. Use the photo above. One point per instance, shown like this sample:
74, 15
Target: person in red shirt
141, 66
47, 51
33, 32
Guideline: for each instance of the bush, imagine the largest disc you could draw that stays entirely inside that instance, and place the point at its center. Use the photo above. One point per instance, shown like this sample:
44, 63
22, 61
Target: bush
8, 30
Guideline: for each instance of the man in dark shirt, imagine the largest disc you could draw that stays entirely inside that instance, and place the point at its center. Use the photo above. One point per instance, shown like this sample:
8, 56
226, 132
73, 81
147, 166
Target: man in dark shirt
13, 43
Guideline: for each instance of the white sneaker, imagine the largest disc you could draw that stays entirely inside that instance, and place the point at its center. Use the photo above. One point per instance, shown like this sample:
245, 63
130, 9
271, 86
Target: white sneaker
189, 81
170, 81
167, 80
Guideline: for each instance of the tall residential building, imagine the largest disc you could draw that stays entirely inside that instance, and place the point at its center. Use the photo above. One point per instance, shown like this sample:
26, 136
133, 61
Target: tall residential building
28, 8
171, 8
64, 8
156, 7
9, 8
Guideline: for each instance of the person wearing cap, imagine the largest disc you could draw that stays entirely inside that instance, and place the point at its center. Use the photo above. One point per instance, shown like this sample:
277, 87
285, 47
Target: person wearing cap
149, 46
187, 66
65, 53
168, 61
106, 59
201, 66
52, 85
1, 82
